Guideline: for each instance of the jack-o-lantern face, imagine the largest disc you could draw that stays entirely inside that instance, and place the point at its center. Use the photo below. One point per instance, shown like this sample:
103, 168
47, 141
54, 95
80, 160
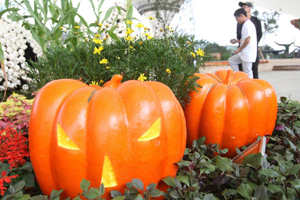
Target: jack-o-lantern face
108, 174
110, 136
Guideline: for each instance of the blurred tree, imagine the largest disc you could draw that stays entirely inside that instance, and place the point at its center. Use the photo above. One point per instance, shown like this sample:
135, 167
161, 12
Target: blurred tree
268, 21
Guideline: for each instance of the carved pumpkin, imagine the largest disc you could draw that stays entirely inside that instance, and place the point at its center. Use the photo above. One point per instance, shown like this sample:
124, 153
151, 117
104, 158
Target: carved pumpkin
109, 136
230, 109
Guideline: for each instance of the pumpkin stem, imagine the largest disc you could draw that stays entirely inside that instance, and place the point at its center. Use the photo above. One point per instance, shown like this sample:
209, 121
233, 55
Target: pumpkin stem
229, 80
115, 81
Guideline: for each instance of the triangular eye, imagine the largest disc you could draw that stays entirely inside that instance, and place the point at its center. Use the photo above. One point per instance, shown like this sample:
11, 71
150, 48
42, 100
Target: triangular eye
63, 139
153, 132
108, 174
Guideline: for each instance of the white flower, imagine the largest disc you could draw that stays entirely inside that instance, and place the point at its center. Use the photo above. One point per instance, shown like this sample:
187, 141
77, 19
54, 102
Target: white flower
25, 87
13, 39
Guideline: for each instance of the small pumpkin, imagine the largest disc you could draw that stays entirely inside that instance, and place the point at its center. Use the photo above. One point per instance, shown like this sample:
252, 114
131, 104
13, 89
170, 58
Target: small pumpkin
108, 135
230, 109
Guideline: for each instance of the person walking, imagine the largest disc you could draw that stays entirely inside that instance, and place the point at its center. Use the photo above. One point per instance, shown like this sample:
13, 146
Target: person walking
247, 7
247, 52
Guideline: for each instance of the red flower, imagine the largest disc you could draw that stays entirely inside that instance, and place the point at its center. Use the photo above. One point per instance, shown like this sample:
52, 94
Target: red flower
5, 179
13, 147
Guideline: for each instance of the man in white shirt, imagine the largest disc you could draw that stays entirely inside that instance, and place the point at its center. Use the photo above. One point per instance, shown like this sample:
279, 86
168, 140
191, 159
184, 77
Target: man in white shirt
247, 52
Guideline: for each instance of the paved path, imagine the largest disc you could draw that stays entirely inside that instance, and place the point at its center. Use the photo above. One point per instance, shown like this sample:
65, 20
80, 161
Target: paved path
285, 83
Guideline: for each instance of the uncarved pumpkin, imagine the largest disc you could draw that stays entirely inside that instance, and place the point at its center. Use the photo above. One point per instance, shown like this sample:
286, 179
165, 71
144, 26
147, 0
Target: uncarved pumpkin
108, 135
230, 109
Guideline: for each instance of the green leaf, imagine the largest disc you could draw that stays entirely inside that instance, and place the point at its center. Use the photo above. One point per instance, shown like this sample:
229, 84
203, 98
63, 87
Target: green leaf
119, 198
209, 197
139, 197
129, 13
245, 190
269, 173
253, 160
155, 193
261, 193
77, 198
101, 189
19, 186
138, 184
112, 35
40, 197
294, 169
184, 163
296, 183
151, 186
274, 188
224, 164
27, 167
293, 146
175, 194
1, 56
92, 95
184, 179
170, 181
8, 10
55, 193
108, 13
29, 179
24, 197
92, 193
115, 193
85, 184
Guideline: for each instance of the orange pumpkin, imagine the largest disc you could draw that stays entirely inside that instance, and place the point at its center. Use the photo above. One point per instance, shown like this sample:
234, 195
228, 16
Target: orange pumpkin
230, 109
108, 135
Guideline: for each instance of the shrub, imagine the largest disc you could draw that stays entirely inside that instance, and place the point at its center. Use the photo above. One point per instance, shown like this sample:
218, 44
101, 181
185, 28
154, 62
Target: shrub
15, 112
169, 60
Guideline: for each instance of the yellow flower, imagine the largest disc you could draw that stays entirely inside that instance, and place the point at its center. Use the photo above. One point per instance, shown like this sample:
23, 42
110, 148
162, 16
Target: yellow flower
129, 31
101, 81
150, 37
97, 41
131, 47
98, 50
106, 25
200, 52
129, 22
99, 24
193, 54
140, 25
188, 42
146, 34
118, 58
161, 30
142, 77
141, 42
94, 83
129, 38
77, 27
168, 71
103, 61
151, 18
97, 35
85, 39
61, 28
107, 67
